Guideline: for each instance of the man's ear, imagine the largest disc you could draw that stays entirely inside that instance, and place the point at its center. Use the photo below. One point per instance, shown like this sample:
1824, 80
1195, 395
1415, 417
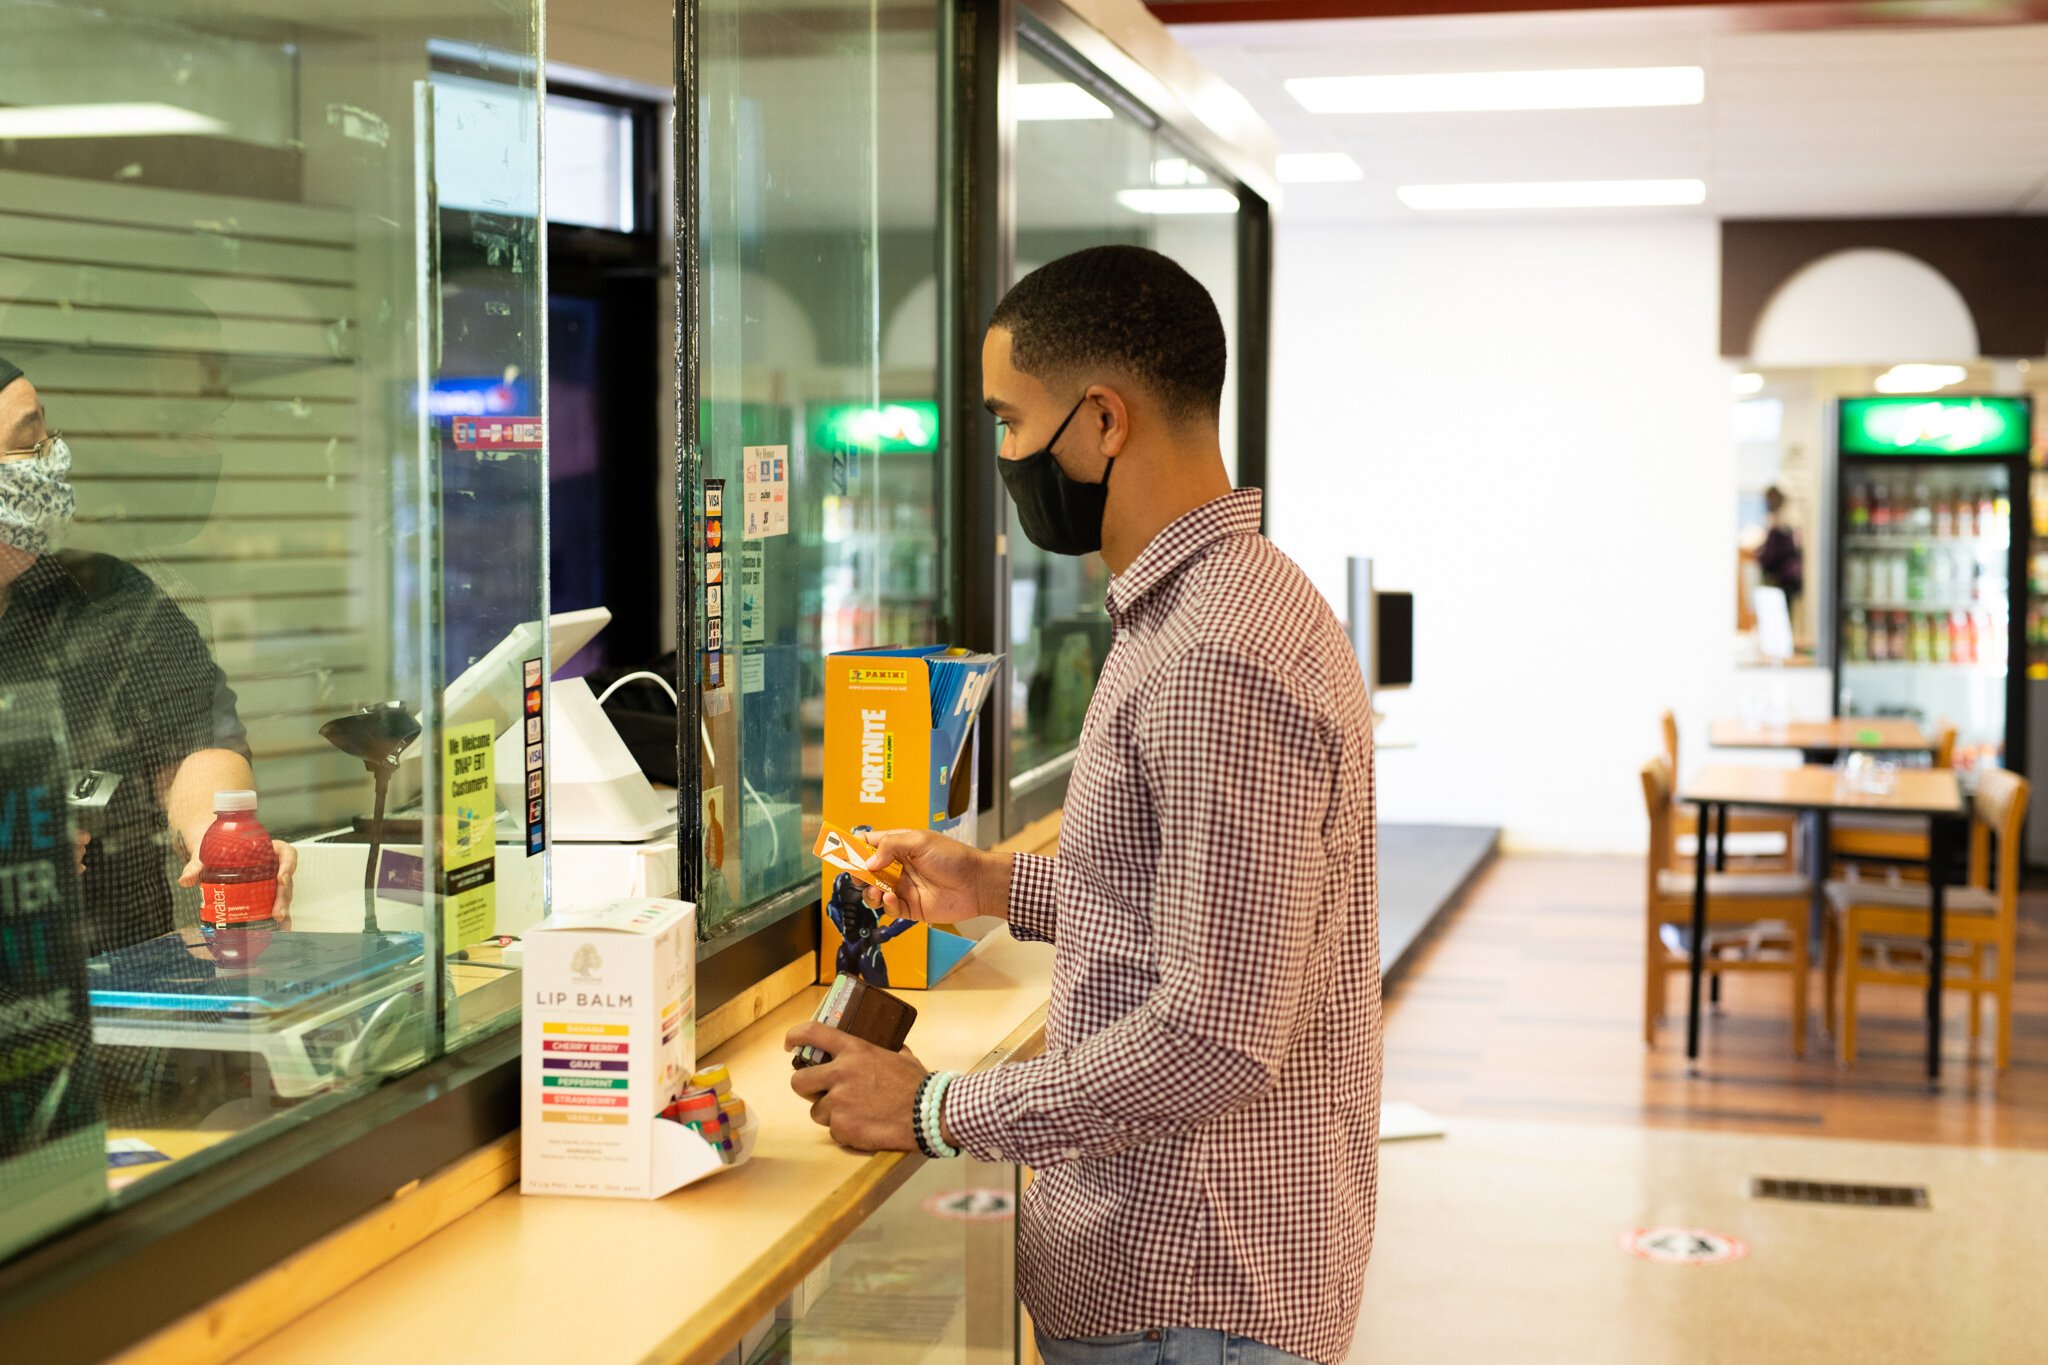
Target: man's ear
1110, 419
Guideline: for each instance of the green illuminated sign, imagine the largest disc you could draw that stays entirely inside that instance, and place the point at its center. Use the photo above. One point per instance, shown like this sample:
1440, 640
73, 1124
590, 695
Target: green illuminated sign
887, 428
1921, 424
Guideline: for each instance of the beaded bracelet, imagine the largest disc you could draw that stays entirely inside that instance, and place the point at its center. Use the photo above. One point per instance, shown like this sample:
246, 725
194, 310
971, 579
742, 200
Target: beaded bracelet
932, 1134
917, 1116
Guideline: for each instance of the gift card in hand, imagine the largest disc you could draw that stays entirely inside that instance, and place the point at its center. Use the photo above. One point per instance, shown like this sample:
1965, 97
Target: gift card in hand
847, 852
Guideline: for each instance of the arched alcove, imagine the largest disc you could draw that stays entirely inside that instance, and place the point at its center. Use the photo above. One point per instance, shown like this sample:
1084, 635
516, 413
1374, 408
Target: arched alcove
1865, 307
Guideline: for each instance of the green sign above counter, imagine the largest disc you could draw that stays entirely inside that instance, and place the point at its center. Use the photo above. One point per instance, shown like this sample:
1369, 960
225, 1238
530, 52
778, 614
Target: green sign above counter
908, 428
1926, 424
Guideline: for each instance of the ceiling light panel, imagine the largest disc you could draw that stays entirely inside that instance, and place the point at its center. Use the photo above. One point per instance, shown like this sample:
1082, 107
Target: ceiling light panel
1636, 87
105, 120
1053, 101
1555, 194
1316, 168
1178, 200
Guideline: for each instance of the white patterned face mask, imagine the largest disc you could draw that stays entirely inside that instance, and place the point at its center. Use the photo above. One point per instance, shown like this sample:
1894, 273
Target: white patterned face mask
36, 502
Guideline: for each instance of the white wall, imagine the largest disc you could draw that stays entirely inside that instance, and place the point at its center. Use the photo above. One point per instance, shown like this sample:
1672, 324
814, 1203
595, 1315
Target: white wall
1527, 425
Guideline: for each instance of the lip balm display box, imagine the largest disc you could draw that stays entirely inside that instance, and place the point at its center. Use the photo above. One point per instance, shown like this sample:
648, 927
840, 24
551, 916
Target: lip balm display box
610, 1034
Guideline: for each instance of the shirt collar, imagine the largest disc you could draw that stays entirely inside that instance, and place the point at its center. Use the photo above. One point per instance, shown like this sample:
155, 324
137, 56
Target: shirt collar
1234, 514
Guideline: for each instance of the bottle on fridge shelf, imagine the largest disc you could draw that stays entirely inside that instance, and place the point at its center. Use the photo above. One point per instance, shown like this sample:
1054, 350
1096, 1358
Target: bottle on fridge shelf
1916, 575
1941, 585
1921, 644
1856, 643
1944, 515
1859, 509
1856, 576
1895, 589
1971, 642
1938, 651
1880, 509
1901, 638
1922, 522
2001, 517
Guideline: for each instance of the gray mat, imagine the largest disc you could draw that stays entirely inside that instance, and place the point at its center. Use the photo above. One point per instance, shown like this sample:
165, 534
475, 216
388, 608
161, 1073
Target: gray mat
1423, 871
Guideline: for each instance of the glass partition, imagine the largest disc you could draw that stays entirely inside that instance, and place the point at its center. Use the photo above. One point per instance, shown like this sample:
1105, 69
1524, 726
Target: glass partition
819, 431
1089, 171
271, 596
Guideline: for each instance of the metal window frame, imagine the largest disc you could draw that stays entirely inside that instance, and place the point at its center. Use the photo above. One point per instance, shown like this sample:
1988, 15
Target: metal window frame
214, 1230
1131, 70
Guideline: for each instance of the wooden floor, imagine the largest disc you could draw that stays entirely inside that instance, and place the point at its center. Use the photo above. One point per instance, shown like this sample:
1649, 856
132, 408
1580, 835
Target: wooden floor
1526, 1003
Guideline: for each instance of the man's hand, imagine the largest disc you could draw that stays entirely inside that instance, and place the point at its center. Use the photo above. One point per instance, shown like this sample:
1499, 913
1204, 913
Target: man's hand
287, 868
863, 1095
944, 881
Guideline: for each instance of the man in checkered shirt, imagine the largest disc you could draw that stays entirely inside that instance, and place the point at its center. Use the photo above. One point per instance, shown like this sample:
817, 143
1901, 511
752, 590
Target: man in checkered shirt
1203, 1122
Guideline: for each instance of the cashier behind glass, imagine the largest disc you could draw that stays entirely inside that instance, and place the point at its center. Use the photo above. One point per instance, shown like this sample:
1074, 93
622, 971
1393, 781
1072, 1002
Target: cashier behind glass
141, 697
1204, 1120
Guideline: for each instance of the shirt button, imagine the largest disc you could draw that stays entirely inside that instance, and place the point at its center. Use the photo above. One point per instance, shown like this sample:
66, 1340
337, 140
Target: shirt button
1070, 1154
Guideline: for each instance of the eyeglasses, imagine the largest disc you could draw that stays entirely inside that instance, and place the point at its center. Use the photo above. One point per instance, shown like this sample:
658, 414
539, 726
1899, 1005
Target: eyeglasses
36, 451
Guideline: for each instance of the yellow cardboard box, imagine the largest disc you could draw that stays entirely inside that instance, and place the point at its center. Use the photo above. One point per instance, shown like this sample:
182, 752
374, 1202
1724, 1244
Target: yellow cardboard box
899, 754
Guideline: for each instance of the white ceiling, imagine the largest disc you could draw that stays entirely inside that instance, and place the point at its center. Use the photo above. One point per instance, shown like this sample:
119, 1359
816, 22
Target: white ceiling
1830, 123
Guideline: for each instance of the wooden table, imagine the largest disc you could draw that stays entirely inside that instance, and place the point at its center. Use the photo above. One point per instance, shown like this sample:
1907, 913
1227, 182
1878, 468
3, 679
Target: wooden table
1869, 734
1819, 792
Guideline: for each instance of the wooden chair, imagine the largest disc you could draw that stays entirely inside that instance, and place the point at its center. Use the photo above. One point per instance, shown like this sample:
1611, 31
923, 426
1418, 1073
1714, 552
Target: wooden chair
1888, 838
1871, 927
1755, 922
1685, 821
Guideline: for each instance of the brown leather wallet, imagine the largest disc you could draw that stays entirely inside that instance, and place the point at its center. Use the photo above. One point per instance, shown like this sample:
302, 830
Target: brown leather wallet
867, 1012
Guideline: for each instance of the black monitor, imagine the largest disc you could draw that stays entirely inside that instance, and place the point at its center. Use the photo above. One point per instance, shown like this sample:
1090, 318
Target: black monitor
1382, 629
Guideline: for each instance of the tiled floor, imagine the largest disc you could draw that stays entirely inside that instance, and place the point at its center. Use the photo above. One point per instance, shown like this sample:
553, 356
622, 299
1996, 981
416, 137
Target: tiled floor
1500, 1243
1520, 1025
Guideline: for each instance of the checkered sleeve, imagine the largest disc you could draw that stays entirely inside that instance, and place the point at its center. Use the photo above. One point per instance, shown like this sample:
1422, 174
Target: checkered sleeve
1032, 913
1243, 776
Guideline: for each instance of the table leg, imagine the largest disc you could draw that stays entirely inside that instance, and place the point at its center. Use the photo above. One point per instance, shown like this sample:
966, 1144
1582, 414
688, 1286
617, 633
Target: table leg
1939, 853
1721, 840
1699, 943
1816, 915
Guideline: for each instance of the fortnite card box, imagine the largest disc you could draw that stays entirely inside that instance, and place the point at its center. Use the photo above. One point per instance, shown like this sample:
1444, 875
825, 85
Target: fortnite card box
899, 754
610, 1037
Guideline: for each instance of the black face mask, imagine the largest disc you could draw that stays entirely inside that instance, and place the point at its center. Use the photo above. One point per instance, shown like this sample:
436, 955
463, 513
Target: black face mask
1059, 514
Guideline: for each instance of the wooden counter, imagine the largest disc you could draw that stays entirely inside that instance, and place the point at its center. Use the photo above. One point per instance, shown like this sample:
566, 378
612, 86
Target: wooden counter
675, 1279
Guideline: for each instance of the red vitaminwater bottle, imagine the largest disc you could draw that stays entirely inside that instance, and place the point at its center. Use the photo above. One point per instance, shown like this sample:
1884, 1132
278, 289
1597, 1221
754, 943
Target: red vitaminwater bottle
237, 868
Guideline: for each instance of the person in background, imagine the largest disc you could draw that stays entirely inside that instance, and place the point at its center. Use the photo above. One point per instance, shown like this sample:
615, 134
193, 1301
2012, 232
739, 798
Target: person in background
1779, 558
1204, 1121
141, 697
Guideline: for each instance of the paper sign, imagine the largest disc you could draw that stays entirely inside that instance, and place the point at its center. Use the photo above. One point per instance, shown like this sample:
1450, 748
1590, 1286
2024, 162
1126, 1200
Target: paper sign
497, 433
753, 611
766, 479
469, 819
753, 674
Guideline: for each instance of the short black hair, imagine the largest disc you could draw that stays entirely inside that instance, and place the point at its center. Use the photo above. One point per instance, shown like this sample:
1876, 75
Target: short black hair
1120, 308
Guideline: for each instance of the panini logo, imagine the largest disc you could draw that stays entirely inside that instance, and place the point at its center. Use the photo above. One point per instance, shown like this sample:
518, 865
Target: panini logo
878, 677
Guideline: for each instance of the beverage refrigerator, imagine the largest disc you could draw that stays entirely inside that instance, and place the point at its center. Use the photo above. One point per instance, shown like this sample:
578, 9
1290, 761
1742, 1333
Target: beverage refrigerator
1930, 567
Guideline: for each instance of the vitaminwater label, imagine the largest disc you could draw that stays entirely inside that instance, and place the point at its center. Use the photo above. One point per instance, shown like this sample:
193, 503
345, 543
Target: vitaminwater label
224, 903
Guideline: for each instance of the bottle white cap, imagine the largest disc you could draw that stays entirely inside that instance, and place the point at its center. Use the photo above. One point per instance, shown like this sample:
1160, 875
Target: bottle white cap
224, 802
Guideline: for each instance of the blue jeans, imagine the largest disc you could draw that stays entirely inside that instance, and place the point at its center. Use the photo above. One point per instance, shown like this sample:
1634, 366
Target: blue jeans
1163, 1346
